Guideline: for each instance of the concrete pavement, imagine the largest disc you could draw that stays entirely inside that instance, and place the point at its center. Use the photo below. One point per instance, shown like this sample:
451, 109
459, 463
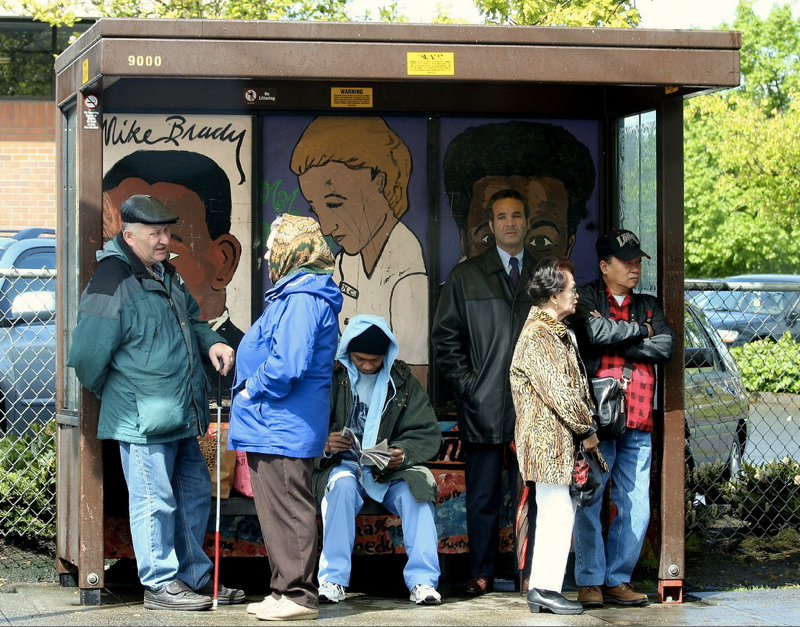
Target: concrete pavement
121, 604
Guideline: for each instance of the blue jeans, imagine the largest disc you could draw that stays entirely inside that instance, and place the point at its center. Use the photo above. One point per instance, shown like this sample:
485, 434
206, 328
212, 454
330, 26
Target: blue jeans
344, 498
169, 503
612, 563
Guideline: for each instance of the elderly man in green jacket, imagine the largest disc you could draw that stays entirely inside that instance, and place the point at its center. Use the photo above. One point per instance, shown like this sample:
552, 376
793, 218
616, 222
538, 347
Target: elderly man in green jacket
376, 397
138, 346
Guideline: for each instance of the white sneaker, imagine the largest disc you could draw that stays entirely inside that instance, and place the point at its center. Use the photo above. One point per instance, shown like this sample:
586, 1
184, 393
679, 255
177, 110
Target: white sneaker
422, 594
330, 592
268, 602
286, 609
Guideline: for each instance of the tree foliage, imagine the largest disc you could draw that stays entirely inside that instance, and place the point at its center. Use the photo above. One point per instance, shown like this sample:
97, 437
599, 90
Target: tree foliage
742, 158
595, 13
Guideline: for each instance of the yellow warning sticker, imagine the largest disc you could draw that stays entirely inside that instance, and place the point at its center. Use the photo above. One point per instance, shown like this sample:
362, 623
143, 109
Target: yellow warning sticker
85, 69
351, 97
431, 63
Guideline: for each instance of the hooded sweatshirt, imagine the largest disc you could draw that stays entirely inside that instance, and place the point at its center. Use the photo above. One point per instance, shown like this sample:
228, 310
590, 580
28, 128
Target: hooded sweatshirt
400, 411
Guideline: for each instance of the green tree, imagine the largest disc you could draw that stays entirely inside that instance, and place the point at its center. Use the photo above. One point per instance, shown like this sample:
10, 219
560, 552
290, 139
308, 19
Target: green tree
594, 13
742, 158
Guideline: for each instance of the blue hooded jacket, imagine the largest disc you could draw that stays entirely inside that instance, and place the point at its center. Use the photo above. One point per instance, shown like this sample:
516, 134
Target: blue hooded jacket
285, 362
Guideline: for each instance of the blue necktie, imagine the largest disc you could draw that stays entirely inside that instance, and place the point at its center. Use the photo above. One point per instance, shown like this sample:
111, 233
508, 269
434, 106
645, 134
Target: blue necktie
514, 274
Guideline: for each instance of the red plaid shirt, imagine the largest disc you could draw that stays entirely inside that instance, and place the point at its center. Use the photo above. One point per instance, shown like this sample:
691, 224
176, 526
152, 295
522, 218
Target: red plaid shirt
641, 389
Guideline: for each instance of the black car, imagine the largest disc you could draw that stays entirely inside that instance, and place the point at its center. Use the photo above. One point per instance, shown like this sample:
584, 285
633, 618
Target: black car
749, 307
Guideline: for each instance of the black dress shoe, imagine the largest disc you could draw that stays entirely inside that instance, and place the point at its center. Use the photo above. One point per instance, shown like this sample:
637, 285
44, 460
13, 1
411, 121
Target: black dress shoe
479, 585
176, 595
553, 601
225, 596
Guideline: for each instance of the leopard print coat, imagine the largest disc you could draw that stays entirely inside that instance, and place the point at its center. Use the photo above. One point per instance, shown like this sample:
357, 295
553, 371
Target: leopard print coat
551, 398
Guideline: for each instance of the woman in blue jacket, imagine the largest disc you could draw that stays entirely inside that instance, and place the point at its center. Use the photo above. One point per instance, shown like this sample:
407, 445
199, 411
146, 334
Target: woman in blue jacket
281, 406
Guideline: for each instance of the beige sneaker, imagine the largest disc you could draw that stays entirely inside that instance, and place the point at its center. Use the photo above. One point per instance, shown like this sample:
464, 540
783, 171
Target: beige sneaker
286, 609
590, 596
624, 594
268, 602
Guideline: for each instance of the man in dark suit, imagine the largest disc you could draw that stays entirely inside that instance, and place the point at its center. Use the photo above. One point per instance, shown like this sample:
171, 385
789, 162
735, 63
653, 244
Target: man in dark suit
480, 314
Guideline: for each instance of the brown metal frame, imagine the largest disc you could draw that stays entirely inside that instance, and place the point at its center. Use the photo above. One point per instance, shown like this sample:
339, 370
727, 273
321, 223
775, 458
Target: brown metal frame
205, 65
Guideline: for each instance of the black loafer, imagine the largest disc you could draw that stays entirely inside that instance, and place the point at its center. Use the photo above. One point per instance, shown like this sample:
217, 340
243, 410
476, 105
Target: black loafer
553, 601
176, 595
225, 596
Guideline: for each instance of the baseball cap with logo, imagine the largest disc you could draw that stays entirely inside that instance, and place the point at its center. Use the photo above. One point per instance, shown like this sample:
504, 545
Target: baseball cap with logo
622, 244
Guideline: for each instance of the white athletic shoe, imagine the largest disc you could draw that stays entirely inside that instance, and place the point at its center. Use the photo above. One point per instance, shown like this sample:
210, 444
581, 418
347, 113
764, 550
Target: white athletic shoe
268, 602
330, 592
422, 594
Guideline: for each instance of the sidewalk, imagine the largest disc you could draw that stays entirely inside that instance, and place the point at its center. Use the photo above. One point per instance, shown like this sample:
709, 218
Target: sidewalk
50, 604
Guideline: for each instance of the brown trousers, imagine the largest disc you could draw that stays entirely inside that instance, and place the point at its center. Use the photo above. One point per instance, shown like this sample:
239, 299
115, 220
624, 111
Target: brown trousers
287, 514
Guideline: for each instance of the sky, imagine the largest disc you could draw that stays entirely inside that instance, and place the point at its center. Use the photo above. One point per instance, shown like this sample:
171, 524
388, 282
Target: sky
670, 14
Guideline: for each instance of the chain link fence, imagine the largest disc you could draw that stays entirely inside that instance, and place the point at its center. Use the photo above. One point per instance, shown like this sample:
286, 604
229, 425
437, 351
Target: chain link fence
27, 423
742, 396
742, 393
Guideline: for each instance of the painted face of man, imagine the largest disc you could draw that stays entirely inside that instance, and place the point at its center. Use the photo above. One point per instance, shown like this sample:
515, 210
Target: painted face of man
547, 229
349, 203
207, 266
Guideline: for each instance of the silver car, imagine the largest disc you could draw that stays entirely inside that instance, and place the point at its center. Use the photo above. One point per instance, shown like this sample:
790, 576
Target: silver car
716, 402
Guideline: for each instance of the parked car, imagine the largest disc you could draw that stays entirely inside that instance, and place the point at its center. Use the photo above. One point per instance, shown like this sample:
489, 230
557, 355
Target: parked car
752, 309
9, 236
27, 333
715, 400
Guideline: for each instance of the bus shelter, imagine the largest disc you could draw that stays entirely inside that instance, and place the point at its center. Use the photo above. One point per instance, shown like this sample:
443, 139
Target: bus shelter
235, 111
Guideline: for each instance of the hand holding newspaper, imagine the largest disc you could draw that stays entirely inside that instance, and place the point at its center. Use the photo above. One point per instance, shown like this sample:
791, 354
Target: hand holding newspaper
377, 455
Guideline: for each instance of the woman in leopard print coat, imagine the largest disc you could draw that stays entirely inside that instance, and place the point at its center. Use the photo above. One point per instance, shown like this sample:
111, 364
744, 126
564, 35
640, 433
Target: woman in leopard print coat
554, 414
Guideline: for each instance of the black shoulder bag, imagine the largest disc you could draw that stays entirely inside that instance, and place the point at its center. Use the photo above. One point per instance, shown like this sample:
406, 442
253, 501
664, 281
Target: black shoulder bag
610, 403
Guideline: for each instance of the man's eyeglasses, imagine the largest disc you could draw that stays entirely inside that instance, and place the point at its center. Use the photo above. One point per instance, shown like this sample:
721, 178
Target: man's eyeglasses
573, 291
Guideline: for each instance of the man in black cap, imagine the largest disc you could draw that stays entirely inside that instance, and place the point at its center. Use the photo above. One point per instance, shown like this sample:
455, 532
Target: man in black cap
618, 329
138, 345
380, 401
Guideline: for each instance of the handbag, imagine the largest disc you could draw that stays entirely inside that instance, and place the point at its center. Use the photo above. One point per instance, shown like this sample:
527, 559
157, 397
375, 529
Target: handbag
610, 403
587, 477
227, 459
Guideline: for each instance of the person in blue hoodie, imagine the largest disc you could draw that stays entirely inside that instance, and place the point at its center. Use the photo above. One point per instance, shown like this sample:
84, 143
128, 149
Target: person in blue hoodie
375, 395
280, 408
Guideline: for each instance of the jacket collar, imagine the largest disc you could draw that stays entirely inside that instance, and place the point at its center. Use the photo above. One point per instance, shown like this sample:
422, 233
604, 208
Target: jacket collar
538, 314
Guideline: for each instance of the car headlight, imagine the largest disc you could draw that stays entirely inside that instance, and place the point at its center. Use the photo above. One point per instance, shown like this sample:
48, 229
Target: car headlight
728, 335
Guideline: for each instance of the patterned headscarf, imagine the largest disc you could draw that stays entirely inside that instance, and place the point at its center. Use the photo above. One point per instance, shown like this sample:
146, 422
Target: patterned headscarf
296, 244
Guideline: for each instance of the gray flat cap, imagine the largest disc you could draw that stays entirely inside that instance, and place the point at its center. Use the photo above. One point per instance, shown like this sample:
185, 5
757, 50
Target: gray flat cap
147, 210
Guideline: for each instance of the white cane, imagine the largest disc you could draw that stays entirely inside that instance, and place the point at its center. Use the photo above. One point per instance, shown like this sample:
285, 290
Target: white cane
216, 533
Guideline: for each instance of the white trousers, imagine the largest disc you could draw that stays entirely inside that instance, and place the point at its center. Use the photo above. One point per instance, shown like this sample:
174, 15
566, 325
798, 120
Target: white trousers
555, 516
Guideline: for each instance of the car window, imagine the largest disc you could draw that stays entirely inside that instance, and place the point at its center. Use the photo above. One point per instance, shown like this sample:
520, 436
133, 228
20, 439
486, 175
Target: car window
772, 303
694, 336
36, 259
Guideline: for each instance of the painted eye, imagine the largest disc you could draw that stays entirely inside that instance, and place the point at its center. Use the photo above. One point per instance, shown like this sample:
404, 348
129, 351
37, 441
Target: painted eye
540, 241
171, 256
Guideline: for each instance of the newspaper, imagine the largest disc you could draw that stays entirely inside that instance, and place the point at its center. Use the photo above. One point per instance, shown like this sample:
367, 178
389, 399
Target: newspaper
378, 455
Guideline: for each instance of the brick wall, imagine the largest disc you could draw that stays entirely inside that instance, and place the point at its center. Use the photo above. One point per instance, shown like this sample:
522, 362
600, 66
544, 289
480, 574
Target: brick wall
27, 164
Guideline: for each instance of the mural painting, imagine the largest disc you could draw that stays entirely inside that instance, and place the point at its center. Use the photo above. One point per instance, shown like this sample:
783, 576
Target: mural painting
552, 164
363, 179
199, 167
